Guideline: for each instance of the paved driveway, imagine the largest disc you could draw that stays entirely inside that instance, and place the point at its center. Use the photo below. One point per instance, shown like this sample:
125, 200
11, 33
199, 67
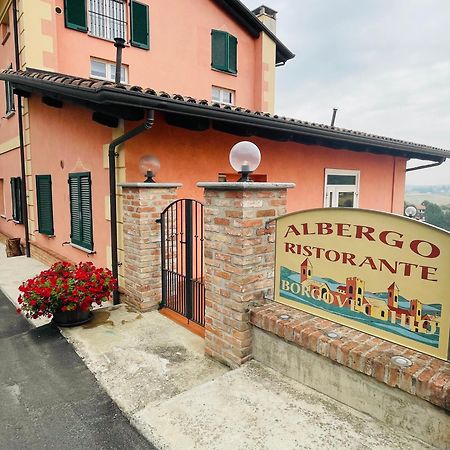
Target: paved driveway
48, 398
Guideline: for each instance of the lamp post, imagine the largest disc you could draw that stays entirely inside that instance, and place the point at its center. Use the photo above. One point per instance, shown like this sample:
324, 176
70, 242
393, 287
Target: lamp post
245, 158
149, 166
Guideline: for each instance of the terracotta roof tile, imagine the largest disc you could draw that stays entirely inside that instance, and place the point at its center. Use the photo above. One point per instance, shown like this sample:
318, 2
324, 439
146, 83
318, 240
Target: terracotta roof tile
58, 78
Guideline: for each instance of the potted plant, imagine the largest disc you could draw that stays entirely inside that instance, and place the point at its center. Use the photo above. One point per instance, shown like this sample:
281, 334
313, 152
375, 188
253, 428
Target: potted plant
67, 292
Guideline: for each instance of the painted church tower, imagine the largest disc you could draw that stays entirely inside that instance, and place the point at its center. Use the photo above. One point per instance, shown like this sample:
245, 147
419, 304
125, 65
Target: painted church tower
305, 270
393, 292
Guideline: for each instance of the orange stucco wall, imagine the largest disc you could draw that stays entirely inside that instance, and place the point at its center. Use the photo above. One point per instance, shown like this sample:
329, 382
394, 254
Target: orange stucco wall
179, 59
190, 156
67, 140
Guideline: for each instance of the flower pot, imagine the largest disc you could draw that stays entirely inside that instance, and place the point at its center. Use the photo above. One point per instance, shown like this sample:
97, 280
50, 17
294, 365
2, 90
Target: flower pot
71, 318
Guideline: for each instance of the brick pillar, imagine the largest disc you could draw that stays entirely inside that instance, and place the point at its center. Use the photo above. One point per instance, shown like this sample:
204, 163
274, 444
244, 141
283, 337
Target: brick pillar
239, 261
142, 206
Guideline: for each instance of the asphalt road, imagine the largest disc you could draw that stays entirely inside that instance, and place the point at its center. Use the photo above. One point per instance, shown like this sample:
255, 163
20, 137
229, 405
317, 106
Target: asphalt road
48, 398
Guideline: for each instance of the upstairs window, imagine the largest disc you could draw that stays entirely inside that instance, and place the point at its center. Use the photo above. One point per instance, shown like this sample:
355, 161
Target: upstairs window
107, 19
223, 51
4, 29
105, 70
16, 197
9, 96
223, 96
341, 188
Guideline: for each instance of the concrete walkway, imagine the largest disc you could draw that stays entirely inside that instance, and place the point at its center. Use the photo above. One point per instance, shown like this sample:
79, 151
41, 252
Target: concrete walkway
158, 375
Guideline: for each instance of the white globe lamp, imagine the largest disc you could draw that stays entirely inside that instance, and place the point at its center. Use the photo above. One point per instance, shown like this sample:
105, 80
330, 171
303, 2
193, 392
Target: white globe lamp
149, 166
245, 158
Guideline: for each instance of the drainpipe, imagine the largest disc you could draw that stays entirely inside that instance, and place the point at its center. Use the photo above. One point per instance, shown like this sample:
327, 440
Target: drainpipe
21, 140
112, 192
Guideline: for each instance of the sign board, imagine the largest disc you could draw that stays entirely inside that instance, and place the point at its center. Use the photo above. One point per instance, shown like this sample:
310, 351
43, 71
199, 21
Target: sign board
383, 274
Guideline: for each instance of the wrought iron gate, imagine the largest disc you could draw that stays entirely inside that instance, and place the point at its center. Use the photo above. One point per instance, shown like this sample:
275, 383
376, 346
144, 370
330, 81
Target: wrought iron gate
183, 288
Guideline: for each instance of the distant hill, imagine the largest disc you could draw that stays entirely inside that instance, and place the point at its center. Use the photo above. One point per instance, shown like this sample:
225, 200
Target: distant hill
437, 193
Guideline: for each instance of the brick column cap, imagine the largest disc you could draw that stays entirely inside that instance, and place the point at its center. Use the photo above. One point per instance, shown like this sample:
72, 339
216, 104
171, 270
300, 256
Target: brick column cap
150, 185
244, 186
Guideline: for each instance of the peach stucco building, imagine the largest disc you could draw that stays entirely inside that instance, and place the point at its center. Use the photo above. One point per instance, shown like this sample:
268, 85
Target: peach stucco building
223, 53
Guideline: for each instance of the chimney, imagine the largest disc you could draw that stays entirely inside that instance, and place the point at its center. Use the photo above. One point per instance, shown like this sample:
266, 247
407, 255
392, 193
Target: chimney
267, 16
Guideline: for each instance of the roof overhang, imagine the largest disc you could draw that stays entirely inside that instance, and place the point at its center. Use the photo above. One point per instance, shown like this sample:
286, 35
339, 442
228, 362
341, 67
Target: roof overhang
131, 102
254, 26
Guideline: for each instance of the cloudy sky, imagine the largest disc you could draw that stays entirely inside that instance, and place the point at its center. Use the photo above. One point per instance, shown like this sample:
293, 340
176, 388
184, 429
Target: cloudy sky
385, 64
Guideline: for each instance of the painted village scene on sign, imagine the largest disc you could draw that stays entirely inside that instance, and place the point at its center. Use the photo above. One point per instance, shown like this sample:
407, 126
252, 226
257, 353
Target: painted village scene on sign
379, 273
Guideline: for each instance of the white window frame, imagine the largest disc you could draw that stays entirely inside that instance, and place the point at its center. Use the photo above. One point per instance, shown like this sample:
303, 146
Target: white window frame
222, 93
110, 71
334, 189
10, 107
104, 18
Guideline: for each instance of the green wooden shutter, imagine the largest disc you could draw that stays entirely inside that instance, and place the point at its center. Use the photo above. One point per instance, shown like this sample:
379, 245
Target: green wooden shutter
75, 14
219, 50
140, 30
44, 204
81, 210
232, 54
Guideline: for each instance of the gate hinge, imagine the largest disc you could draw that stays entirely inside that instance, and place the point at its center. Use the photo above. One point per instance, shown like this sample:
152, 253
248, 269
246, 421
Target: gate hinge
158, 220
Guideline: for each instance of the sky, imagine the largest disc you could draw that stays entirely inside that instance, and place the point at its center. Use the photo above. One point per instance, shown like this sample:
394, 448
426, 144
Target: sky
385, 64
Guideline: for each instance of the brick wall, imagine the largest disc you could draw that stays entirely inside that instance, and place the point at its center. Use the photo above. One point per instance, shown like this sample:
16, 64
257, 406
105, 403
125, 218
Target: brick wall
239, 262
142, 206
427, 377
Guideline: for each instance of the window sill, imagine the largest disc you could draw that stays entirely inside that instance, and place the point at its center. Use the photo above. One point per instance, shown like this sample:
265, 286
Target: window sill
127, 43
85, 250
234, 74
2, 216
9, 114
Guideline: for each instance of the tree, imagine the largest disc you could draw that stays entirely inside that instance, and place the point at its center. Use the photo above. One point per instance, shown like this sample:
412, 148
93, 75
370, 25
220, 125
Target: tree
435, 215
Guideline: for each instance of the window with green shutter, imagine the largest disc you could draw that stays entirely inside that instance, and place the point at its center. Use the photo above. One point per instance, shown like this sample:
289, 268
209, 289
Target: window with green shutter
140, 29
16, 196
75, 14
223, 51
81, 210
44, 204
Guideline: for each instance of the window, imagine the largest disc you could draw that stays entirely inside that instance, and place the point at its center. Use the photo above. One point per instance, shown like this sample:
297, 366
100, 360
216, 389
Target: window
9, 95
224, 96
16, 196
105, 70
81, 210
44, 204
341, 188
140, 30
2, 199
4, 29
107, 19
223, 51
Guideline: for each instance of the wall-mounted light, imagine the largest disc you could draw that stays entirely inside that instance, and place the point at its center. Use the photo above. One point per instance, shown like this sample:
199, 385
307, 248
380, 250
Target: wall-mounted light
149, 166
244, 159
410, 211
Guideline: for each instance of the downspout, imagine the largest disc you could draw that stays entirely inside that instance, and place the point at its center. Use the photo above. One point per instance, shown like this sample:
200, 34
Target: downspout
112, 192
21, 140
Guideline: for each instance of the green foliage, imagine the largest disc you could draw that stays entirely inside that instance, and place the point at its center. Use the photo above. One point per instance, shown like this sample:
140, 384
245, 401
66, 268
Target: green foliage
435, 215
